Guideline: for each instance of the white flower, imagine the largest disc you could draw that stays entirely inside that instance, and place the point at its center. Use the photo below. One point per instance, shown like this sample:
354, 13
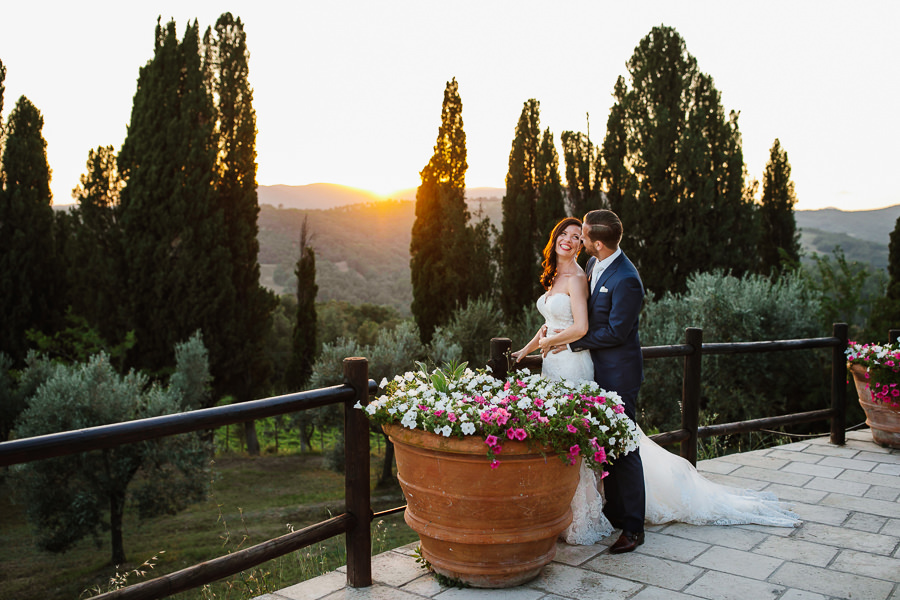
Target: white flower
467, 428
383, 382
357, 405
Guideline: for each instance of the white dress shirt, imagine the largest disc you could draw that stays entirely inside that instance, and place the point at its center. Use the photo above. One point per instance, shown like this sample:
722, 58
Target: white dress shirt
601, 265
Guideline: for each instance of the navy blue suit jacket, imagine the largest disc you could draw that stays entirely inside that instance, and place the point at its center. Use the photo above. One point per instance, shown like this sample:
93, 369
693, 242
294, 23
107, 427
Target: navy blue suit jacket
614, 308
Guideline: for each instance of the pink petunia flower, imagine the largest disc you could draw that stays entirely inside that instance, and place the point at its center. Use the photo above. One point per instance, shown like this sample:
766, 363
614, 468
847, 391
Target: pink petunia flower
619, 409
511, 433
491, 440
571, 428
495, 463
521, 434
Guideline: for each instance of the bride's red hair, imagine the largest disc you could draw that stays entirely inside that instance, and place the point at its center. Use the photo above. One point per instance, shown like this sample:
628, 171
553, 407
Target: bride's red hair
549, 262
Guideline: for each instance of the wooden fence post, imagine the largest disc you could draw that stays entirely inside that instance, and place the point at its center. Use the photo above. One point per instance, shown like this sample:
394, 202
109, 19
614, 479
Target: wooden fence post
357, 479
839, 385
893, 335
690, 393
499, 361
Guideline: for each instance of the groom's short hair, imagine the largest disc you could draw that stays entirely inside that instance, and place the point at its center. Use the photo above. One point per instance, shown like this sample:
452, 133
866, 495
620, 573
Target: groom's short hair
604, 226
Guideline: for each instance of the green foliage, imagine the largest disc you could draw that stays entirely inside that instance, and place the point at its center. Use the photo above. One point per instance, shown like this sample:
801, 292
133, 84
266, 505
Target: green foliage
519, 265
304, 347
242, 371
78, 341
674, 169
67, 497
779, 244
29, 269
177, 257
849, 292
360, 322
450, 259
471, 328
11, 402
550, 206
94, 248
582, 173
191, 379
742, 386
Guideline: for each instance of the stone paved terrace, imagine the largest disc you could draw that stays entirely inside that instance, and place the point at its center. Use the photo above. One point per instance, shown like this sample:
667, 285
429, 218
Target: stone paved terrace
847, 547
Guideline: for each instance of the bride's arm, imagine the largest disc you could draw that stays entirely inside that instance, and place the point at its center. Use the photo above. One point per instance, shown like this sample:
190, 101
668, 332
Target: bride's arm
578, 293
529, 347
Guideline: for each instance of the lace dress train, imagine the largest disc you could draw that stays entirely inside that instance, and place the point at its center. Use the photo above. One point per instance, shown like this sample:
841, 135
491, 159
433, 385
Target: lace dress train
675, 490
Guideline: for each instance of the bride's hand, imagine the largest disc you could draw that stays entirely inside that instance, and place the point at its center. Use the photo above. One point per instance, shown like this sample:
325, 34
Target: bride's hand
519, 355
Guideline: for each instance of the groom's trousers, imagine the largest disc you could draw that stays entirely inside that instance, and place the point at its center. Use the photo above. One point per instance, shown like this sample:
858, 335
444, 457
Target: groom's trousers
624, 486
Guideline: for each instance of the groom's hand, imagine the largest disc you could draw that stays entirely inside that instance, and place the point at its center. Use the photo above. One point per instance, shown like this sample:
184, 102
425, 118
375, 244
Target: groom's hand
548, 349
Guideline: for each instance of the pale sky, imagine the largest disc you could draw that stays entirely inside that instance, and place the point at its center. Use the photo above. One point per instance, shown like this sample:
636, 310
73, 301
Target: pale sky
350, 92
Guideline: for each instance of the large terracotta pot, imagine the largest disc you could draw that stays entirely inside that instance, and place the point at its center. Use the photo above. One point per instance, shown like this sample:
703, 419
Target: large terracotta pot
490, 528
883, 420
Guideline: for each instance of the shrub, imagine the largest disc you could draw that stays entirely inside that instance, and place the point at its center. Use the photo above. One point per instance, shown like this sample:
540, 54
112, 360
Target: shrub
742, 386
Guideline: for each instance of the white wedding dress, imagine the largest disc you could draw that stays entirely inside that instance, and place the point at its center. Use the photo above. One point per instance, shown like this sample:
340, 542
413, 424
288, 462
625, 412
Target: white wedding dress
675, 491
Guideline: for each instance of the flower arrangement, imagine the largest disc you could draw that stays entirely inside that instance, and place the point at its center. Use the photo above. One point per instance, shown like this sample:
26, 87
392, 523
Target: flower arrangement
574, 419
882, 363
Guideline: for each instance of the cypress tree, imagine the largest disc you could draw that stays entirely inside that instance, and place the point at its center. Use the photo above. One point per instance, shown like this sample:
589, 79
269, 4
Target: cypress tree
551, 205
29, 270
673, 168
304, 347
780, 243
441, 235
519, 265
582, 173
94, 249
178, 263
246, 368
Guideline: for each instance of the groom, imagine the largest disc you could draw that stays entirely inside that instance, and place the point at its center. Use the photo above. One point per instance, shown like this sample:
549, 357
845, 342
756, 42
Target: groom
616, 295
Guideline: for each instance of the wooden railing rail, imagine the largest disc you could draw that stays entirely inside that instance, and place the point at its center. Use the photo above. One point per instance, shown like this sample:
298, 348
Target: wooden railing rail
355, 522
693, 350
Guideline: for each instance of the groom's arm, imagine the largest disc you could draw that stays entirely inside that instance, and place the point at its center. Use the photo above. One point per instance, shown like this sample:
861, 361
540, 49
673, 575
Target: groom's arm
627, 297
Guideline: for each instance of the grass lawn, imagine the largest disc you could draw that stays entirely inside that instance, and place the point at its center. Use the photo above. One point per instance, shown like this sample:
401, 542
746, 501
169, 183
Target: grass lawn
252, 500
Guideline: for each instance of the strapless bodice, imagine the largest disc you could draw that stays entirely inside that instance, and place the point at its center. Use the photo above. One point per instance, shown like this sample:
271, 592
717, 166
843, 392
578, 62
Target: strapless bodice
556, 310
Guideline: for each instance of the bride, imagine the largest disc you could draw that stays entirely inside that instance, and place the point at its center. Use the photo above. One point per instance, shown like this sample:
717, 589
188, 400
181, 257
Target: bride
675, 491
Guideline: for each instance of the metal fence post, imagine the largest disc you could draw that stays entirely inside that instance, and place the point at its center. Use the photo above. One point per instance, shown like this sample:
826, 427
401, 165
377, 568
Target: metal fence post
690, 393
357, 478
839, 385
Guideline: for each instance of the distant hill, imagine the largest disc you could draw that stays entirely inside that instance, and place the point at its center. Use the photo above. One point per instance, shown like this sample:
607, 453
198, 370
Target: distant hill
872, 225
471, 193
322, 196
362, 249
862, 235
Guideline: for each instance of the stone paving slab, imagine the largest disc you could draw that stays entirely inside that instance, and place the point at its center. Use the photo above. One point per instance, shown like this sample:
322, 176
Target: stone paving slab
848, 546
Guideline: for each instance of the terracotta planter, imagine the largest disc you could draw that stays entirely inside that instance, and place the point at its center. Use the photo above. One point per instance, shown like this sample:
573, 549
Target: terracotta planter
884, 420
490, 528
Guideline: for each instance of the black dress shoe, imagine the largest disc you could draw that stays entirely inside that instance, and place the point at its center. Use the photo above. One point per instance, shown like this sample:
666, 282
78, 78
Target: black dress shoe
627, 542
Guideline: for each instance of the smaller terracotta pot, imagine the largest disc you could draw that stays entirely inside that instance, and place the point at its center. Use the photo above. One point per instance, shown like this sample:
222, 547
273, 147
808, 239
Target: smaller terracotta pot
883, 420
490, 528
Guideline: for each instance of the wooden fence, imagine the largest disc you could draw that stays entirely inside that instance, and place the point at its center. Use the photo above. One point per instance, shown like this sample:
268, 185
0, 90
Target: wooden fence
355, 522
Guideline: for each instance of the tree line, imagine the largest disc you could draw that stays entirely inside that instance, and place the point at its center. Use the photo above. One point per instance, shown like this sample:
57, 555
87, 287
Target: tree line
670, 164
